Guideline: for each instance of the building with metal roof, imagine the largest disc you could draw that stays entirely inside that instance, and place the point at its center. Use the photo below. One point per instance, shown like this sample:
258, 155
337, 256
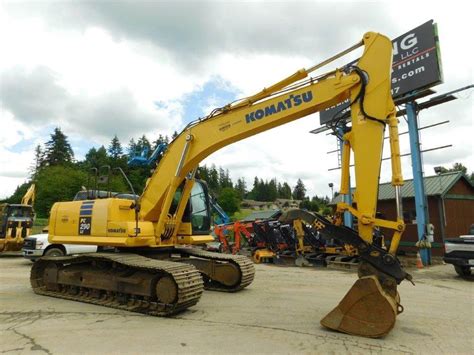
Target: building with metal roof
450, 198
434, 186
261, 215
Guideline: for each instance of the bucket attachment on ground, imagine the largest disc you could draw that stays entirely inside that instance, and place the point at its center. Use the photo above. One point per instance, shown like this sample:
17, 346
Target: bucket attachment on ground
301, 261
262, 255
366, 310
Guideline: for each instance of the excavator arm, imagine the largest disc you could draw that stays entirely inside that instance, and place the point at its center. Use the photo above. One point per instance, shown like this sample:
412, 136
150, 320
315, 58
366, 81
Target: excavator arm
368, 88
29, 197
371, 305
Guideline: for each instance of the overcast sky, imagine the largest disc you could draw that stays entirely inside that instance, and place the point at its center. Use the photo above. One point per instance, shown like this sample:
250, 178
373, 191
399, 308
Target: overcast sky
97, 69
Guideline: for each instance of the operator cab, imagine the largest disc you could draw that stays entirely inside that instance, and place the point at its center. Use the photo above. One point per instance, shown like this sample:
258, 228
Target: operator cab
198, 209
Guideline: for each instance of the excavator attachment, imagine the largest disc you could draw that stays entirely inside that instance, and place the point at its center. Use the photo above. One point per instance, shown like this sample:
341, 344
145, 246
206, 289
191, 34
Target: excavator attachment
366, 310
371, 306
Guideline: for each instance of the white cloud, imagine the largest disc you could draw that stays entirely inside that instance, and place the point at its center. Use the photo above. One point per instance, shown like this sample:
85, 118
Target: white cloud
96, 69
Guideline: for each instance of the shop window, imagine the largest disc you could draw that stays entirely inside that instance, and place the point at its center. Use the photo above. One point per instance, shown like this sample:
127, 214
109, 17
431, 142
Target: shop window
409, 217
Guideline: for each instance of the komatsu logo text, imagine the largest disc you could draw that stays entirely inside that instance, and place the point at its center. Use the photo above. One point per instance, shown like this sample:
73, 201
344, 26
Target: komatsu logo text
291, 101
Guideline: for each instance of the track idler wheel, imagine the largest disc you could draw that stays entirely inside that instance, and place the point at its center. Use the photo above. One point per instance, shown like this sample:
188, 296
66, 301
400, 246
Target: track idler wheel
366, 310
166, 290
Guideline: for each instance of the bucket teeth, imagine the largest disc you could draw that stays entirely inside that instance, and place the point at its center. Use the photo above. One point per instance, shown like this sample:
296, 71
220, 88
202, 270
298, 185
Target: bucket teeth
366, 310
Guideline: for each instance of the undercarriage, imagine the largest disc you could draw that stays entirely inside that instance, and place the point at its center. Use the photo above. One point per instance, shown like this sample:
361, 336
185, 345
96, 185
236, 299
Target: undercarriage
154, 282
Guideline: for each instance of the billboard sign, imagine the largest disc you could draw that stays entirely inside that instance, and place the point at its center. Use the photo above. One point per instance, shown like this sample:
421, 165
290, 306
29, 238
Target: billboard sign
416, 65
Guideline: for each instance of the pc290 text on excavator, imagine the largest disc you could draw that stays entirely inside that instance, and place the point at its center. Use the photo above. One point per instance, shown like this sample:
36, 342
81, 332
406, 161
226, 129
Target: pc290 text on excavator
156, 267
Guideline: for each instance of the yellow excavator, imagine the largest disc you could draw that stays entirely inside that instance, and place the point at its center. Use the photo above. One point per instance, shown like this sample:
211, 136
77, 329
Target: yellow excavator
16, 221
156, 267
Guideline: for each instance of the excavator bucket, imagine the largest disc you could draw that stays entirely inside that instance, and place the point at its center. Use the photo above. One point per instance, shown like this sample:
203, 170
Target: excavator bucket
366, 310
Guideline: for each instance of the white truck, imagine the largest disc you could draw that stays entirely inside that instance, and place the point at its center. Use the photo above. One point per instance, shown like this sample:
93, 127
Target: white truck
36, 246
460, 253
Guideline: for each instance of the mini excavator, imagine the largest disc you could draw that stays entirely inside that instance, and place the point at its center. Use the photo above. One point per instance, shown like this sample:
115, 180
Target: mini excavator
156, 267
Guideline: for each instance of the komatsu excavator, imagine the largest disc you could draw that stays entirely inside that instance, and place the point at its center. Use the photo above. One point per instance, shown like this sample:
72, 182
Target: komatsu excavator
16, 221
156, 270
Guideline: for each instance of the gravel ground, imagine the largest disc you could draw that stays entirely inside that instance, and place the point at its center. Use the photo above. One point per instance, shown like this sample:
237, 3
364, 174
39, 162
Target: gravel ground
278, 313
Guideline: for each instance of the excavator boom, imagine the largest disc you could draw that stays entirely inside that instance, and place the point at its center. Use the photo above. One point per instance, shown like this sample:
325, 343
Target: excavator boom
30, 195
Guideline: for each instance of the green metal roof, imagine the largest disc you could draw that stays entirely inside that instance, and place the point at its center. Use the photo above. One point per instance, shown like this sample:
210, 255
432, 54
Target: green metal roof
434, 185
261, 215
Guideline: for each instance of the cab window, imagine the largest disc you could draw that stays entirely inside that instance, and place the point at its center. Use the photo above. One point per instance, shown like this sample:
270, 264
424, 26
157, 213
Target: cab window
200, 219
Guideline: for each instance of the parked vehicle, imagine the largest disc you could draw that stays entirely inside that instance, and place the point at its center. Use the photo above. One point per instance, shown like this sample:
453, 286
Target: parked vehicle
16, 221
37, 245
460, 253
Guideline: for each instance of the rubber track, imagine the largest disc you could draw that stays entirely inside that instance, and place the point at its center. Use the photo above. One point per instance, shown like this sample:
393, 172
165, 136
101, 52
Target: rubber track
244, 264
187, 278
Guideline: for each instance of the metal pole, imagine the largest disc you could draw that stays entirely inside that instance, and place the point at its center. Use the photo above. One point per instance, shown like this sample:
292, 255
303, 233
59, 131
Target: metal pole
398, 201
418, 183
347, 198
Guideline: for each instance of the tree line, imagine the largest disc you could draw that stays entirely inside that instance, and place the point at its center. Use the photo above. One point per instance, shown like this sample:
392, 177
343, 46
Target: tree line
58, 175
229, 194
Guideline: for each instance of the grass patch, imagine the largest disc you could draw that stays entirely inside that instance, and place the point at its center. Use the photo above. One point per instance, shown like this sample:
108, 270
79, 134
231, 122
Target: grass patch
239, 215
38, 226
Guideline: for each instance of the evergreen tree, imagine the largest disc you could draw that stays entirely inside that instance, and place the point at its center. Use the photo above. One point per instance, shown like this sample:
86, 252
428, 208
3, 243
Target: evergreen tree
241, 188
115, 148
132, 148
459, 167
272, 192
96, 158
299, 192
58, 151
456, 167
213, 179
224, 179
315, 202
203, 173
38, 162
159, 140
310, 205
254, 193
144, 145
285, 191
174, 135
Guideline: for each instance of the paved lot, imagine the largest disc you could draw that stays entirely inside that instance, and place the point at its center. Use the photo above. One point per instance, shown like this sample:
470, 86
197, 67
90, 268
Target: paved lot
278, 313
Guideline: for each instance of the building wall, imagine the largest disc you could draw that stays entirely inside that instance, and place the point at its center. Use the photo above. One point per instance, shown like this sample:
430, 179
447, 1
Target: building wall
388, 209
459, 216
461, 188
435, 218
